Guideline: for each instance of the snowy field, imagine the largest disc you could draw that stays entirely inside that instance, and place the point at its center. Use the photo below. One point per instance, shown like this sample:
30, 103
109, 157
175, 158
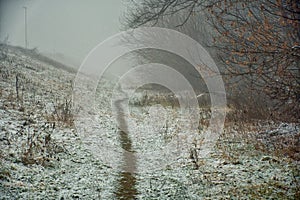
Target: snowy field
43, 155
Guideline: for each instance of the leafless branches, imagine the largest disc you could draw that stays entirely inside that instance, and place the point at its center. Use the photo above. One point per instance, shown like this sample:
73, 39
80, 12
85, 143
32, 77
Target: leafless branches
255, 40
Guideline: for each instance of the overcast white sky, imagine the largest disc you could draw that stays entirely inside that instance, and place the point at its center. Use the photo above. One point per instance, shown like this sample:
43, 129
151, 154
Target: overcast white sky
69, 27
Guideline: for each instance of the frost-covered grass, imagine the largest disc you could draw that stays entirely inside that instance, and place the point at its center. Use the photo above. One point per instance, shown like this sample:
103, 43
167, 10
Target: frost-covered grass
44, 157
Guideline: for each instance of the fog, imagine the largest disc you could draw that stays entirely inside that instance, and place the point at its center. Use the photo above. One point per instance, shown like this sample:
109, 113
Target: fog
65, 30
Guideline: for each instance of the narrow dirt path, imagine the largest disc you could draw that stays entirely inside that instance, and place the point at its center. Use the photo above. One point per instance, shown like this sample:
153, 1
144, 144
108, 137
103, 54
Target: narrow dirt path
127, 181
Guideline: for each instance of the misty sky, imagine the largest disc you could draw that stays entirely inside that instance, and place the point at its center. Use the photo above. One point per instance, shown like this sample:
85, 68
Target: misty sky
68, 27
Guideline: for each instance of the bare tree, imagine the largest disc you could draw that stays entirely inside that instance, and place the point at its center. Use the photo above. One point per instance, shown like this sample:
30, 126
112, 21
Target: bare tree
257, 41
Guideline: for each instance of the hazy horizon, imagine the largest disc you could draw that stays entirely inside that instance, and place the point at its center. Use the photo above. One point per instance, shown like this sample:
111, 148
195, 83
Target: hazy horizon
64, 30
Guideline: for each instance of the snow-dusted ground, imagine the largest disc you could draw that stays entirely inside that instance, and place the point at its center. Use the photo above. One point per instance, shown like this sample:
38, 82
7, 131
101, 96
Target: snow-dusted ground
43, 161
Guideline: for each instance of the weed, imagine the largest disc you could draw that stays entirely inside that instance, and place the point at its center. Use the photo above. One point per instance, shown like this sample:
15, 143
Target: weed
39, 147
62, 112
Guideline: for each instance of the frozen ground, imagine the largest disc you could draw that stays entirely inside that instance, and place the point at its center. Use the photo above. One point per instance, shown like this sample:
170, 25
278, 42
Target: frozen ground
44, 157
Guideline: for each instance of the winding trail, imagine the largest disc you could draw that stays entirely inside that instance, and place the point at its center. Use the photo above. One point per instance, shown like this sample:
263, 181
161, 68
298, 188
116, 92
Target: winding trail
127, 181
